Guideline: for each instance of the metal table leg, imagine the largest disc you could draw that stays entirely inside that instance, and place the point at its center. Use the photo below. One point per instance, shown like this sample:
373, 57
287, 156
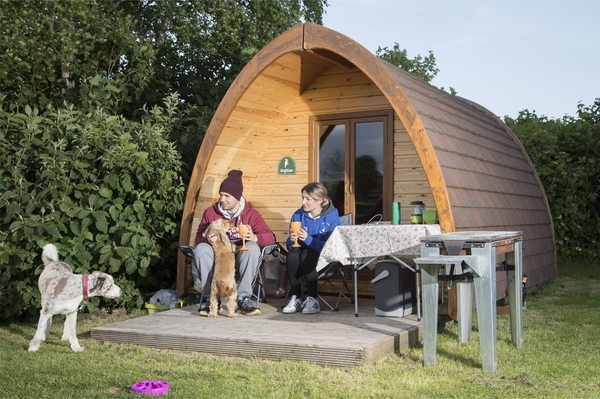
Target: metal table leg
417, 273
485, 296
355, 286
429, 278
464, 293
515, 294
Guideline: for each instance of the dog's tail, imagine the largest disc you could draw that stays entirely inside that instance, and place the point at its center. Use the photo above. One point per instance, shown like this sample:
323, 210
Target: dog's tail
49, 254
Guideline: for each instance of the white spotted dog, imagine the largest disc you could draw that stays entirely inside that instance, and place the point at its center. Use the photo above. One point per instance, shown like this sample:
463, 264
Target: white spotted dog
62, 292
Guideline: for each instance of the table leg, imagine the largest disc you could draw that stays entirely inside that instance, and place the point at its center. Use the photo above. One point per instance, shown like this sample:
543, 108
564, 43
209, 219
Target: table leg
485, 297
464, 293
355, 286
429, 278
515, 295
417, 276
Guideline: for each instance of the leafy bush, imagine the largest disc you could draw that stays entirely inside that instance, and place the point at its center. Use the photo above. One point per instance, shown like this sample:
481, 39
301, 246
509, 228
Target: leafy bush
566, 155
106, 191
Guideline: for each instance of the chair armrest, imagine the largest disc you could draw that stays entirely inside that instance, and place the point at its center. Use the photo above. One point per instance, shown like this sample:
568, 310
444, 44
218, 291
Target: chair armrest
282, 249
269, 249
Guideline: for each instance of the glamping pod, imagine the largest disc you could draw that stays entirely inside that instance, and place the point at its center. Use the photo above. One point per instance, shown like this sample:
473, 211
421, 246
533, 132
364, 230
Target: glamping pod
314, 105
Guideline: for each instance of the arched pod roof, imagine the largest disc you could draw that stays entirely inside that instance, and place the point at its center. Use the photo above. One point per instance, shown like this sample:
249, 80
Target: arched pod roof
480, 176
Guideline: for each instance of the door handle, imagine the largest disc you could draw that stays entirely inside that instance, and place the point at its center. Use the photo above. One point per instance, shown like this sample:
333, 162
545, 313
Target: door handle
350, 186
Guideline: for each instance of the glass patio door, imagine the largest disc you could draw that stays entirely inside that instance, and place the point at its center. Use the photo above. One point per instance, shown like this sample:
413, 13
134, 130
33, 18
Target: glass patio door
351, 158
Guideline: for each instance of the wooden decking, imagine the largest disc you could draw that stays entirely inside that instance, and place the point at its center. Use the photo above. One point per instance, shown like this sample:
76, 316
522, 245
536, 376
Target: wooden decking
327, 338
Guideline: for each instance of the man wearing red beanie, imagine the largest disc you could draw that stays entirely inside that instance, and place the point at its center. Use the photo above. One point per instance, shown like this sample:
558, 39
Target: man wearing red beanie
232, 206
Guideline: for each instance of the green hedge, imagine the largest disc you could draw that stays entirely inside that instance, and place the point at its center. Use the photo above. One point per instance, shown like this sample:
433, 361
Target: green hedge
566, 154
106, 191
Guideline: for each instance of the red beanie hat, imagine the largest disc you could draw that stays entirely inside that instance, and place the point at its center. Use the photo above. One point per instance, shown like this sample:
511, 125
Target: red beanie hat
233, 184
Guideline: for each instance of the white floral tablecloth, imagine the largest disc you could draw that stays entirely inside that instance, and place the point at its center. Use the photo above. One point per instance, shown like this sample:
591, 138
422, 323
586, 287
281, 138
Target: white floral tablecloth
347, 243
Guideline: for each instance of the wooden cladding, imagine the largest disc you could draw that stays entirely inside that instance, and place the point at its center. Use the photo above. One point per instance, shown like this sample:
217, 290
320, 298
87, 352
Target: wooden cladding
410, 180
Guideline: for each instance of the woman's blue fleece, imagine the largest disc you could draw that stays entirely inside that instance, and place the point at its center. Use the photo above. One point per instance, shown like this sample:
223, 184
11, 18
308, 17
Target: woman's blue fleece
318, 229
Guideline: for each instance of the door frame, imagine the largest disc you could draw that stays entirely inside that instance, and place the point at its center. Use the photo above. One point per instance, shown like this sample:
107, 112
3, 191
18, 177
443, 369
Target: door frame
349, 118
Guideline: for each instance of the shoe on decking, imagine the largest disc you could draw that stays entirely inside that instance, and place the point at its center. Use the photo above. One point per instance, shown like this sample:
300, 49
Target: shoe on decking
203, 311
246, 307
295, 305
311, 305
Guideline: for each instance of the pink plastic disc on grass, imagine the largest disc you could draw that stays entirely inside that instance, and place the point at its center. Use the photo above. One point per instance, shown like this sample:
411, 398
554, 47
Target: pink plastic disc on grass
150, 388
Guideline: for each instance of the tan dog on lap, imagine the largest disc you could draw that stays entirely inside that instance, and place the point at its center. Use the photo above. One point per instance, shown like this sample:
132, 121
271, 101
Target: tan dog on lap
223, 282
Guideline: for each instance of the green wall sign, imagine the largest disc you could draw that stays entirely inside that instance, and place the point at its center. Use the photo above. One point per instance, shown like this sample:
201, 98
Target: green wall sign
287, 166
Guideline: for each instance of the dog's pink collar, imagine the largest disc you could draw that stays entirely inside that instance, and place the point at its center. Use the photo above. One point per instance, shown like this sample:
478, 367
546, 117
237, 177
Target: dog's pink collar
85, 289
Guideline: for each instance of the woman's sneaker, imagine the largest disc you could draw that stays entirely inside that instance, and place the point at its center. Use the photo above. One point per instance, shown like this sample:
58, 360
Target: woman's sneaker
311, 305
294, 306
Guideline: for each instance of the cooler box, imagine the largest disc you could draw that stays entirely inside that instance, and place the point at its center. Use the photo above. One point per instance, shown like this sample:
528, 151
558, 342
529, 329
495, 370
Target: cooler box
394, 290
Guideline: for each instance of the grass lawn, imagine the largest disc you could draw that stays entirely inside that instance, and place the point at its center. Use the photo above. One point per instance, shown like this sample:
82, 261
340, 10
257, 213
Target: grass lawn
561, 359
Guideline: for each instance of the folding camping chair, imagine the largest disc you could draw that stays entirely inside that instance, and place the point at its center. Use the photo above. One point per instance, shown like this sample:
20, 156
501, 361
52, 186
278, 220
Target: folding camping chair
330, 271
188, 252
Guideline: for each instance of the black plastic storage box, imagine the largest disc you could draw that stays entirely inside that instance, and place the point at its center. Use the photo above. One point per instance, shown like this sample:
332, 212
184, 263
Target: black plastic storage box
394, 290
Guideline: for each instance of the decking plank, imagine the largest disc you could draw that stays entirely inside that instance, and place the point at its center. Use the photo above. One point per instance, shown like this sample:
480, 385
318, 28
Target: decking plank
327, 338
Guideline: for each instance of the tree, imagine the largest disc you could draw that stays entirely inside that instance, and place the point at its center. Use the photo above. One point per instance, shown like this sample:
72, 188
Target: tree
49, 49
122, 55
333, 170
566, 155
144, 50
202, 45
424, 68
369, 180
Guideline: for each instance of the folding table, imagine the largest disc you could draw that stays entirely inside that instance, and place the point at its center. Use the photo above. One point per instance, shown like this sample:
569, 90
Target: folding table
360, 245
